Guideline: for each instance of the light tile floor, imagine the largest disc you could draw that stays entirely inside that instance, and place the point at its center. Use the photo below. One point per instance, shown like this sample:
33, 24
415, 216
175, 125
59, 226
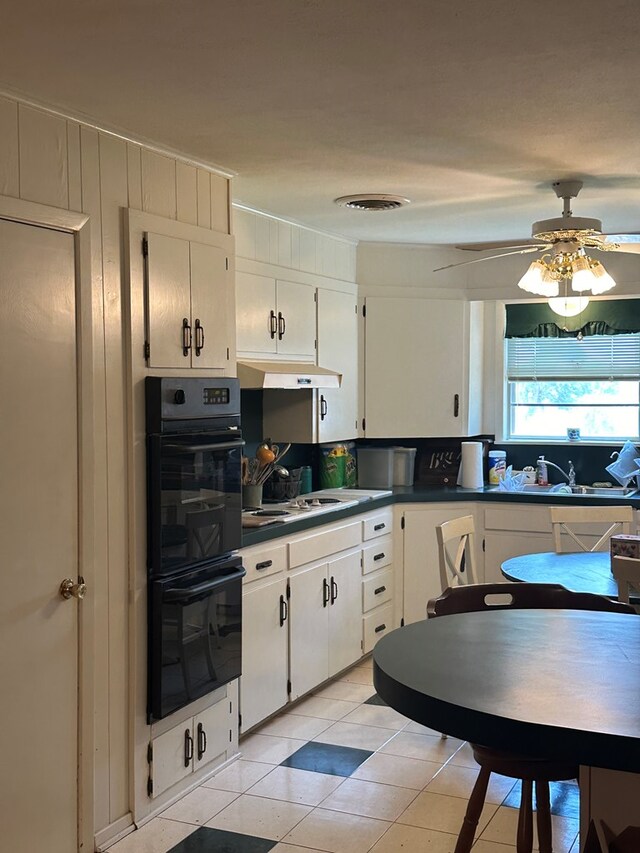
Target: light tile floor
388, 785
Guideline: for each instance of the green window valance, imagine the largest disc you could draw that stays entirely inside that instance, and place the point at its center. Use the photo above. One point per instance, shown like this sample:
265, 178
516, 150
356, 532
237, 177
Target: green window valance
609, 317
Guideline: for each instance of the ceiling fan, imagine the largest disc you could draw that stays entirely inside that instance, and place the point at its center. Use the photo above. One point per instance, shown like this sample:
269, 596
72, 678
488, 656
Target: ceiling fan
562, 242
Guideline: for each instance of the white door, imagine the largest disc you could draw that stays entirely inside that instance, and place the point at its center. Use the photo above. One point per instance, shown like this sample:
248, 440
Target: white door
210, 294
338, 350
308, 629
39, 536
345, 613
168, 301
256, 320
296, 319
415, 354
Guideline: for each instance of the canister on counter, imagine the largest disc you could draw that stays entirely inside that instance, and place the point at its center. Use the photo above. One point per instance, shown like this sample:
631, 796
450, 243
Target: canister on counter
497, 466
333, 466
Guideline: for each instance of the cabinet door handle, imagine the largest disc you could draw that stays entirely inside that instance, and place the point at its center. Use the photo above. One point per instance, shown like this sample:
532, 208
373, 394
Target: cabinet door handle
323, 407
379, 590
199, 337
380, 628
186, 336
379, 556
334, 590
282, 326
379, 526
456, 405
202, 741
264, 565
284, 611
326, 594
273, 324
188, 747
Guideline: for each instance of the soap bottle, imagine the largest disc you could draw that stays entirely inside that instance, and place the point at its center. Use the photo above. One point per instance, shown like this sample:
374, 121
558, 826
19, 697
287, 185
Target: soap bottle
542, 476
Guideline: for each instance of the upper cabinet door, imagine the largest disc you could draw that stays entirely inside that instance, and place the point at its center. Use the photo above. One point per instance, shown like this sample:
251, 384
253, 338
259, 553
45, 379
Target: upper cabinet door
416, 367
337, 409
168, 300
210, 295
296, 316
256, 319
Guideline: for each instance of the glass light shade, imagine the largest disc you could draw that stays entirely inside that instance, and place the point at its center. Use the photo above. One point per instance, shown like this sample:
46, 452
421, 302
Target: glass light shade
568, 306
602, 280
582, 279
537, 280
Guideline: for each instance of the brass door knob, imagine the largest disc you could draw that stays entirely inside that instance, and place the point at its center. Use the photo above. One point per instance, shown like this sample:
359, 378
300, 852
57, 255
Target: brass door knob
69, 589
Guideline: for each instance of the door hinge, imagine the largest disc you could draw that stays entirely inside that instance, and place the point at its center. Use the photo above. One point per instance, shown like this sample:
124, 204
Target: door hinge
402, 523
230, 735
356, 307
315, 295
147, 349
239, 721
288, 590
228, 355
484, 544
231, 707
288, 686
402, 622
145, 247
364, 310
315, 344
150, 753
364, 424
226, 263
150, 787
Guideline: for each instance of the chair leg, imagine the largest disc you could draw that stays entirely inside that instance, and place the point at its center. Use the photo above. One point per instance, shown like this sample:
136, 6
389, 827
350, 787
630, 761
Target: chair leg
472, 815
443, 736
524, 843
543, 817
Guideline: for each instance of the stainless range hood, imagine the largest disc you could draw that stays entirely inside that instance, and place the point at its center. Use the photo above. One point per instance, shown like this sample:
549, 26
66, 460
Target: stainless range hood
286, 374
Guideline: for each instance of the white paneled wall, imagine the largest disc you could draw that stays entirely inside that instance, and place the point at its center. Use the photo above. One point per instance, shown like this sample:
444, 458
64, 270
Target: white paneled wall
268, 240
48, 159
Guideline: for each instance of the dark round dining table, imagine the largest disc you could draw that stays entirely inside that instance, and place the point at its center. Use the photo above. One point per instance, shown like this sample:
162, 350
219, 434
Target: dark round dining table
556, 683
584, 571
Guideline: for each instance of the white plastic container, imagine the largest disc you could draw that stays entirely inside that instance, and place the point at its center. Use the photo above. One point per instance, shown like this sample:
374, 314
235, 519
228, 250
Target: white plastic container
404, 460
375, 467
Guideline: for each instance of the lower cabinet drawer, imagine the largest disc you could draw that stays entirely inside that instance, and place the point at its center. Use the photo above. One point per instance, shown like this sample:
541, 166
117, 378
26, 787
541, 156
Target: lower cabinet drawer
377, 555
376, 625
377, 590
260, 562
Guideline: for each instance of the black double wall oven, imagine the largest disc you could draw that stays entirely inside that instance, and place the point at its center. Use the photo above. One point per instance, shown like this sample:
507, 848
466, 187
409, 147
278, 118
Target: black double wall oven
194, 511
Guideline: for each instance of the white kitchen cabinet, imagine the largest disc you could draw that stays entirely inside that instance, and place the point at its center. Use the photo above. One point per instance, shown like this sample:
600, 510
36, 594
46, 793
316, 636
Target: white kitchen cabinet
263, 684
194, 744
325, 414
190, 304
422, 359
275, 317
421, 567
308, 629
345, 635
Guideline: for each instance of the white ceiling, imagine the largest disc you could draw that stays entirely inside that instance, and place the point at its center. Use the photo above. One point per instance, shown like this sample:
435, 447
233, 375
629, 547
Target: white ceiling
470, 109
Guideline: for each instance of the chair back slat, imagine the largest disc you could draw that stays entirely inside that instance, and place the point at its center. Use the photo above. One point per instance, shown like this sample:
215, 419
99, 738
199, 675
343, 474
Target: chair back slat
457, 568
503, 596
619, 519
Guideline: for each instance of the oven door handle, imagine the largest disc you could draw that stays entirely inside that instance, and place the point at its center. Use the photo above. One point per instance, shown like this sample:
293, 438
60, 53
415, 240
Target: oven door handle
215, 445
185, 594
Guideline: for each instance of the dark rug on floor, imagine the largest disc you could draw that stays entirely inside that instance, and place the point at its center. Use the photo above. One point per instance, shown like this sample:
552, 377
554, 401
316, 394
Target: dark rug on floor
205, 840
327, 758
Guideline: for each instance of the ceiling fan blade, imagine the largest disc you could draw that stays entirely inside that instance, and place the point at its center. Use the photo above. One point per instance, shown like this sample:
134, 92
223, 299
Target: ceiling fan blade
630, 248
498, 244
539, 248
626, 242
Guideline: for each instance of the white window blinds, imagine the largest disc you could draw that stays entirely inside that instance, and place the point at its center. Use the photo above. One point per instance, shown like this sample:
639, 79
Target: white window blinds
594, 357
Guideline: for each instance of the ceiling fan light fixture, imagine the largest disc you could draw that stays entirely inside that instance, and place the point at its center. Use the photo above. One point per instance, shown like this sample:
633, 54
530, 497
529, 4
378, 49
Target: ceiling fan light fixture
372, 202
568, 306
538, 281
602, 280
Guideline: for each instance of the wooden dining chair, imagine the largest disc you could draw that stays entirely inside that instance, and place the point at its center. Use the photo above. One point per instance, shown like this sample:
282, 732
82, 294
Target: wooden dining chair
619, 519
456, 550
626, 571
529, 769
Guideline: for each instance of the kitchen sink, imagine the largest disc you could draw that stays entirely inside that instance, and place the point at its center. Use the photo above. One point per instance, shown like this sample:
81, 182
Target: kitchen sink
585, 491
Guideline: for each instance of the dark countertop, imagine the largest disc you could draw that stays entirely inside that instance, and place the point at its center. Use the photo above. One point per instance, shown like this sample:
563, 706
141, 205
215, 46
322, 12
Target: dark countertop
430, 494
463, 675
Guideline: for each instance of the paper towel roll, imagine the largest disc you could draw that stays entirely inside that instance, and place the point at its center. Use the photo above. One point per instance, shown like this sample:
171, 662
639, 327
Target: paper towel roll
470, 474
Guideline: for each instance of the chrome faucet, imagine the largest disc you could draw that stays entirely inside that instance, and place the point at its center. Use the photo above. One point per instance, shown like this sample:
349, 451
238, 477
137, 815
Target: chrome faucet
570, 477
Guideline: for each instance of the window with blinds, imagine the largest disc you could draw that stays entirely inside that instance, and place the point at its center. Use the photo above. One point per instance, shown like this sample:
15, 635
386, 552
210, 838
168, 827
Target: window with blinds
557, 384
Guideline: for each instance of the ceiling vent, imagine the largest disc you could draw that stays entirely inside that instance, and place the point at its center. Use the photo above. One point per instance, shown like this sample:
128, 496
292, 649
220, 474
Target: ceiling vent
372, 202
